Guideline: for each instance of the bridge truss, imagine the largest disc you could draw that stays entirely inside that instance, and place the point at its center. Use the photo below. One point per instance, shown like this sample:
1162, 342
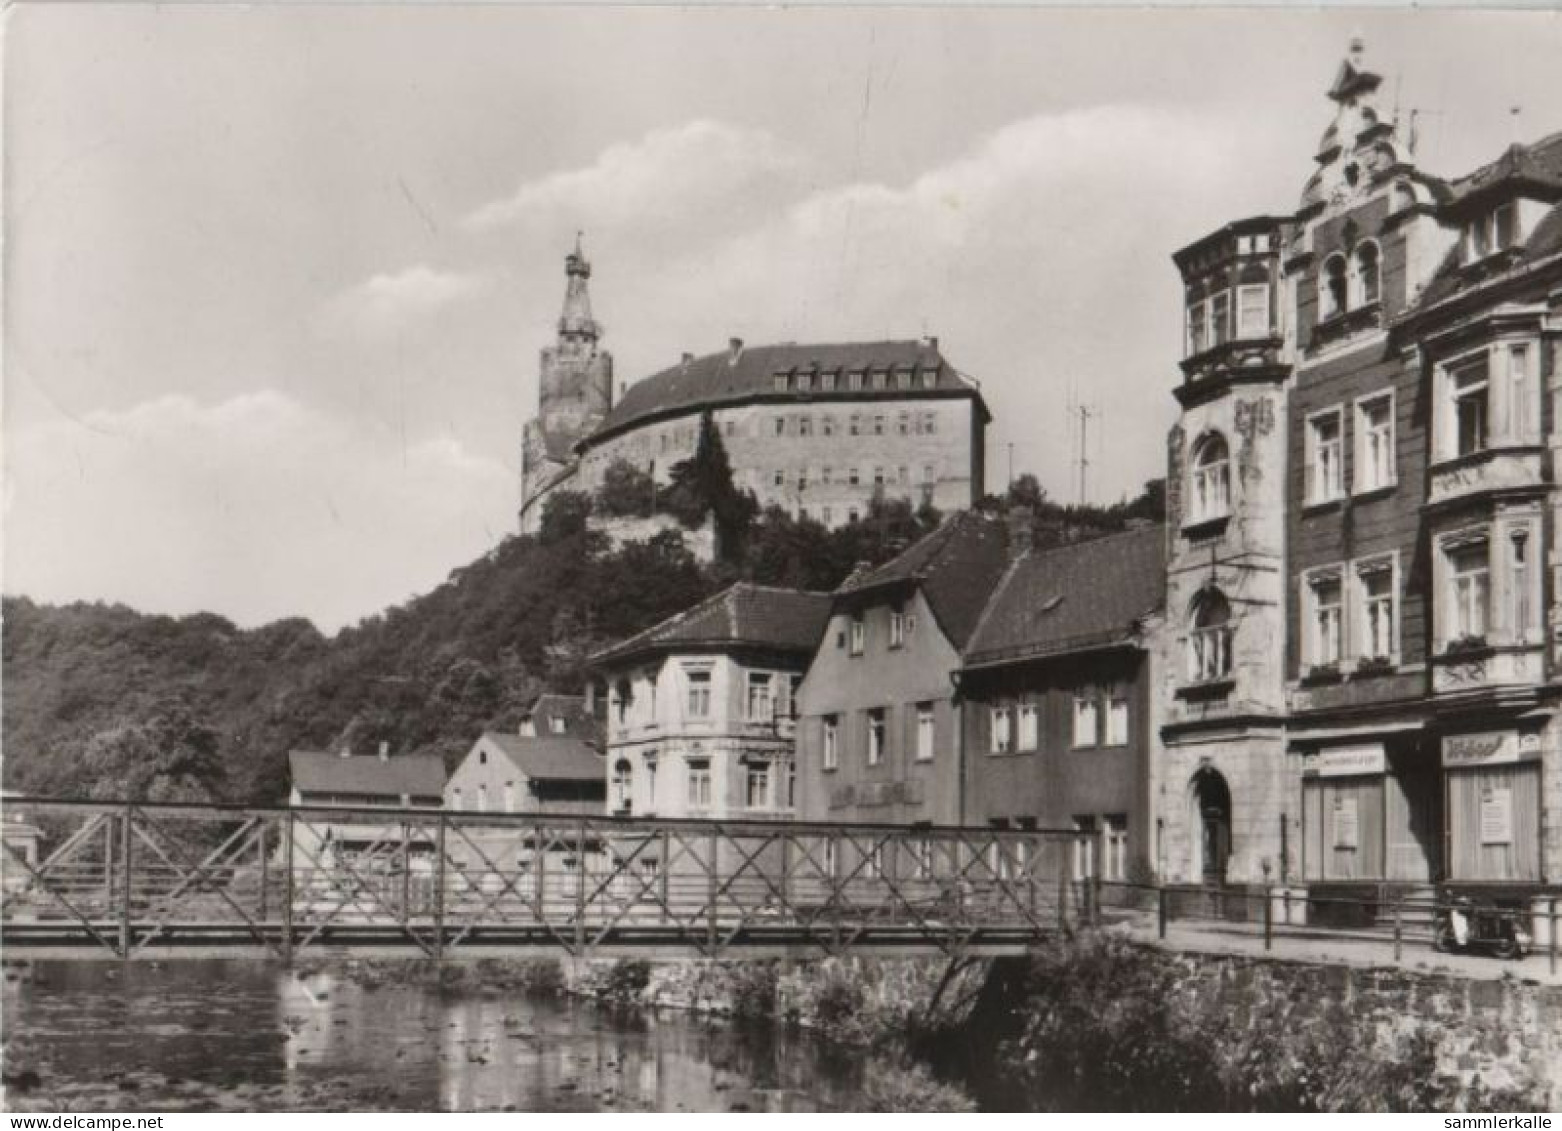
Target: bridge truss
138, 880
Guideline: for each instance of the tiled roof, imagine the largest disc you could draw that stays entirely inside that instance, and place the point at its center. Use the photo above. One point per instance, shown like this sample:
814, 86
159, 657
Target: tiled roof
549, 757
413, 775
550, 705
955, 566
1073, 598
717, 378
1535, 165
744, 613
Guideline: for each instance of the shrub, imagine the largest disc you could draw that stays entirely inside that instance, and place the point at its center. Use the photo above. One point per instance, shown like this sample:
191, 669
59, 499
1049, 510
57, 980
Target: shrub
892, 1084
626, 491
626, 981
753, 990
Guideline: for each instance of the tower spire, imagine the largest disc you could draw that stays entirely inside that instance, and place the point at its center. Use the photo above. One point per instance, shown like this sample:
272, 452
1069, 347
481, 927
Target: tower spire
576, 324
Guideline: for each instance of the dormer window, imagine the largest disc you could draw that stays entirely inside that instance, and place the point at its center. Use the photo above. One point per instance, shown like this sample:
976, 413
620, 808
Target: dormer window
805, 382
780, 382
1493, 232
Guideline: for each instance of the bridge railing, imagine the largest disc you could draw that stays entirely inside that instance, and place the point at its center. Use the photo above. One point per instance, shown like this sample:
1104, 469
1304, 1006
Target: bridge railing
140, 878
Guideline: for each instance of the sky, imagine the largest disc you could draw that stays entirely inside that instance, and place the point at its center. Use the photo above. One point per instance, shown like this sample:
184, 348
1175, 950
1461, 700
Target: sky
276, 277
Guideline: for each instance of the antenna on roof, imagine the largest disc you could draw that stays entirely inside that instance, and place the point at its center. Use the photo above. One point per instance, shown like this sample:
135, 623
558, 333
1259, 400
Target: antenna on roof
1516, 124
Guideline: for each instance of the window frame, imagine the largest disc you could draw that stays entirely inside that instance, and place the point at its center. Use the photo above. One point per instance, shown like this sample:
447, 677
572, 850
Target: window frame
1028, 726
1362, 572
830, 742
1202, 475
1087, 704
1266, 329
1000, 737
1312, 457
699, 692
1315, 652
1360, 483
927, 734
877, 735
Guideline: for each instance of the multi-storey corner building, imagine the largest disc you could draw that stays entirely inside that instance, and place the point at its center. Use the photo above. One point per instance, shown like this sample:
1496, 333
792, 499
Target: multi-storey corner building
1220, 785
700, 707
1392, 489
816, 429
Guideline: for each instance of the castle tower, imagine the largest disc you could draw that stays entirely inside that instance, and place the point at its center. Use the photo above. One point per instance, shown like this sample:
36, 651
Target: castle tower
575, 392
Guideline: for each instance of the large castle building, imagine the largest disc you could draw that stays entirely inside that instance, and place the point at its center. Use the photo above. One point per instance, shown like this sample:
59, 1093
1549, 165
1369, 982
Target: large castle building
816, 429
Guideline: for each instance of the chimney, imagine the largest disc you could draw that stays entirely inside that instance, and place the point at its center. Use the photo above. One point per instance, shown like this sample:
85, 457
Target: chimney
930, 341
384, 751
1022, 531
734, 350
688, 358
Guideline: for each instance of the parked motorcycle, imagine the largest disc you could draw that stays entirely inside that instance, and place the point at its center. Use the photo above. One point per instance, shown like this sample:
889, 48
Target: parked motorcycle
1464, 927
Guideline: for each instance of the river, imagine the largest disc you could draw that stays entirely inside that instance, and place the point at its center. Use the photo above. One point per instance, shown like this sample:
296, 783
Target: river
185, 1036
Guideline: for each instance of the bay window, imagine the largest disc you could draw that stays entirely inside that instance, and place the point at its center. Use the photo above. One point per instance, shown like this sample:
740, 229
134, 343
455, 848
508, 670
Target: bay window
1198, 332
1467, 591
1469, 394
1253, 311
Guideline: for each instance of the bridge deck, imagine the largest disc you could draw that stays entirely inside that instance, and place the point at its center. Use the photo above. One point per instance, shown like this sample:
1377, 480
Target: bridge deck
132, 880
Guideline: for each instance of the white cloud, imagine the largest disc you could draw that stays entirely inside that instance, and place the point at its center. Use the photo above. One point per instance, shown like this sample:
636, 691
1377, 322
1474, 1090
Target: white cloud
386, 302
1041, 257
256, 506
667, 176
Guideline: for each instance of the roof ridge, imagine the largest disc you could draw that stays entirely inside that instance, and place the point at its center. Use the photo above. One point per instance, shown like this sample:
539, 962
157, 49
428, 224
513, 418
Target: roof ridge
1045, 551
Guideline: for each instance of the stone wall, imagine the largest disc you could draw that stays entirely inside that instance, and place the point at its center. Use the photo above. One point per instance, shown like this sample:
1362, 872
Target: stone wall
701, 541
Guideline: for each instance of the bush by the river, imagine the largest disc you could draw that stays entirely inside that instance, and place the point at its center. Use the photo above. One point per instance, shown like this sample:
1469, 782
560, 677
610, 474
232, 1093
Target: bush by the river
1106, 1025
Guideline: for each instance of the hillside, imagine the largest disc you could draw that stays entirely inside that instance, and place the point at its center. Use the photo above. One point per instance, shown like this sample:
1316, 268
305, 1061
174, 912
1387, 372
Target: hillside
102, 699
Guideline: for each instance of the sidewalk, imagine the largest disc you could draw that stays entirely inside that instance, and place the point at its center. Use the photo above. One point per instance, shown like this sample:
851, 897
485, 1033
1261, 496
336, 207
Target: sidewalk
1301, 945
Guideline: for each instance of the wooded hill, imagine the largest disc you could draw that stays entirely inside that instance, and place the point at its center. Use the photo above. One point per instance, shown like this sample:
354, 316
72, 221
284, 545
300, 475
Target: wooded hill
104, 700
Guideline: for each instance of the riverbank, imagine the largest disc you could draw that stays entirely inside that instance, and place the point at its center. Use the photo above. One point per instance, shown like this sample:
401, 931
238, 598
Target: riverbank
1104, 1022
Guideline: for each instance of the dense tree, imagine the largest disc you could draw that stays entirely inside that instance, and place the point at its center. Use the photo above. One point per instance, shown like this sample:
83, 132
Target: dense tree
703, 485
626, 491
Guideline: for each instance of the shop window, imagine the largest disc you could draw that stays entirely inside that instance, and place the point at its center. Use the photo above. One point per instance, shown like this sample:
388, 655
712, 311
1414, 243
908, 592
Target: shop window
1494, 821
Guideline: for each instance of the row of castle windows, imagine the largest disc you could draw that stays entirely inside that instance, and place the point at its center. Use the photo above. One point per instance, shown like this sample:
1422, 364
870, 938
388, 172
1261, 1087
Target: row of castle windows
851, 476
857, 424
856, 380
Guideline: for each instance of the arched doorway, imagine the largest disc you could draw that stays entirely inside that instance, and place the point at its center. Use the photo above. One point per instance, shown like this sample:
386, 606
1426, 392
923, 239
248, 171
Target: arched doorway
1211, 804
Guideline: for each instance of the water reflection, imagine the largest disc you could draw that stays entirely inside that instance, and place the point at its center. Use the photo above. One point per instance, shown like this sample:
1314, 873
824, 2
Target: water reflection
190, 1036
